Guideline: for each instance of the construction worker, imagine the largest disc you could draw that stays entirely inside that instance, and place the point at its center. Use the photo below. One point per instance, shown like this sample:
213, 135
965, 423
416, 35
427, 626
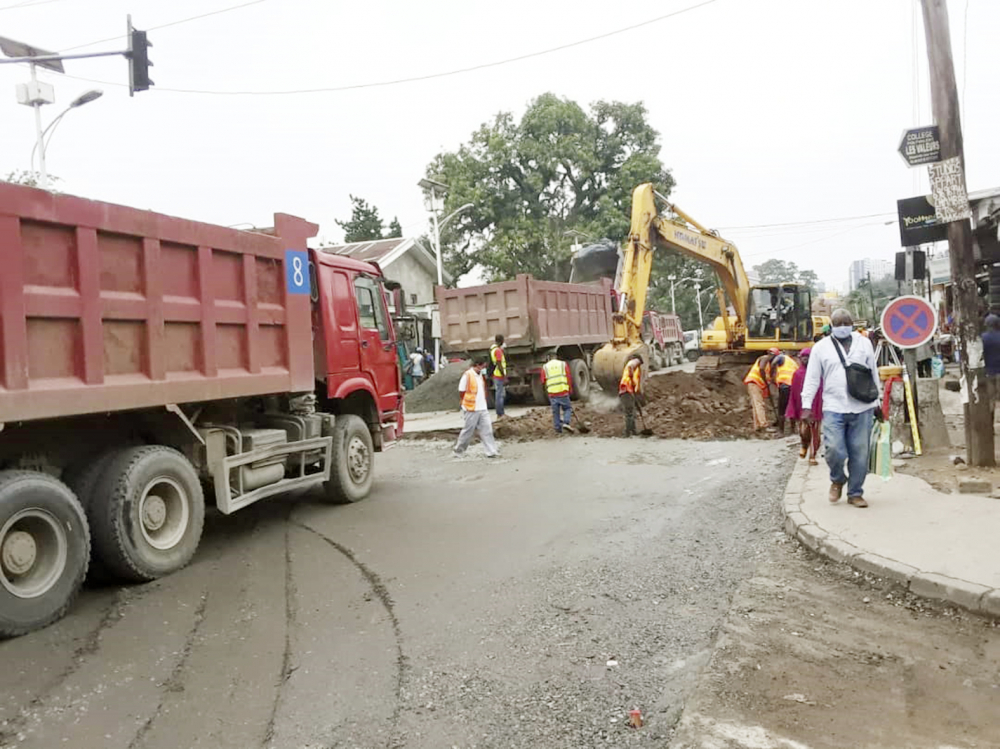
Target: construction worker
498, 371
630, 391
474, 411
558, 385
782, 370
756, 381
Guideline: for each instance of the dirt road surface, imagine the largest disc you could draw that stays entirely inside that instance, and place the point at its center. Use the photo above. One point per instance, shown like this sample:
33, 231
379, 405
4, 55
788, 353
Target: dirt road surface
529, 601
815, 655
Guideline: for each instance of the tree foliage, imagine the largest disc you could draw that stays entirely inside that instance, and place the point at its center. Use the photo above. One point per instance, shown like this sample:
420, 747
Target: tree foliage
784, 271
561, 167
868, 300
365, 224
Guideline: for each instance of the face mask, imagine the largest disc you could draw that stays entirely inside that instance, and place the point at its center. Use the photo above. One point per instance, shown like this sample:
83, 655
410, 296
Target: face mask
841, 331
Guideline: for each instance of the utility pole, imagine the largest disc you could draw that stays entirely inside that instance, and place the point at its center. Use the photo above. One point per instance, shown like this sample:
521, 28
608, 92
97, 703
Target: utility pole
944, 97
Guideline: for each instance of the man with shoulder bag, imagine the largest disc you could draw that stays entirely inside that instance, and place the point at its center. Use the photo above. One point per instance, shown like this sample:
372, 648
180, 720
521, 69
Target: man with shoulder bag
843, 364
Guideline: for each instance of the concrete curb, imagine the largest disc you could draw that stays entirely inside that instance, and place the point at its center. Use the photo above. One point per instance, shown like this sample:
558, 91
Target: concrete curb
973, 597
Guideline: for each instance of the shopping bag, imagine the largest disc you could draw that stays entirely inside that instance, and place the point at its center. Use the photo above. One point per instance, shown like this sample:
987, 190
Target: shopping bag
883, 451
937, 367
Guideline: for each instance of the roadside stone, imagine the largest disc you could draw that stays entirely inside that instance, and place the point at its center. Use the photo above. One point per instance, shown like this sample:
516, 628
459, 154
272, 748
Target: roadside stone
884, 567
974, 486
838, 551
811, 536
898, 447
962, 467
793, 520
990, 603
961, 593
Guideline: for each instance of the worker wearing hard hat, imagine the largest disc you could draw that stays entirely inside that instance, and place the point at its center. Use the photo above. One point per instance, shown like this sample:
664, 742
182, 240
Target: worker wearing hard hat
630, 391
756, 381
782, 370
558, 386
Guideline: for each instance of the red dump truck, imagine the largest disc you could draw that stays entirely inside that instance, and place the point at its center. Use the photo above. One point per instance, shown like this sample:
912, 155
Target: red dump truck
148, 363
535, 317
662, 333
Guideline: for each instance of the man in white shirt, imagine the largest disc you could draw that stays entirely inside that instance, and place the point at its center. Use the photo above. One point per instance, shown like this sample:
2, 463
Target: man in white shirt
847, 421
477, 418
417, 367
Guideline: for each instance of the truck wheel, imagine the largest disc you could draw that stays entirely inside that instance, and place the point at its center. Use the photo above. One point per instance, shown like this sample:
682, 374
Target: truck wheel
81, 479
147, 514
352, 472
538, 394
44, 550
581, 379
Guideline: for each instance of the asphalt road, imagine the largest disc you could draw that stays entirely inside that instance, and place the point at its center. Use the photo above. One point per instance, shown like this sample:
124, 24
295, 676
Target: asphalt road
527, 601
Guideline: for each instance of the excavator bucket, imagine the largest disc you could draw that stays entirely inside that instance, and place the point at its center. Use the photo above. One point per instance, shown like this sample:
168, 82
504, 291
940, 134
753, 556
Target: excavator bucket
609, 362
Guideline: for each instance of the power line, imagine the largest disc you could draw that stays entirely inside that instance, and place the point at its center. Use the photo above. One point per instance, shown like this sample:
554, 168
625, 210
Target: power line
163, 26
29, 4
810, 221
416, 78
814, 241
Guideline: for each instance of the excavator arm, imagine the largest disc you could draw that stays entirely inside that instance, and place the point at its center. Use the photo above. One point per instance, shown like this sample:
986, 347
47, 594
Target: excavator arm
648, 230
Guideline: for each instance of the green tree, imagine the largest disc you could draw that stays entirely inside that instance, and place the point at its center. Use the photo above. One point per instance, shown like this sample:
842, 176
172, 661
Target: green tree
394, 230
365, 224
809, 278
560, 168
777, 271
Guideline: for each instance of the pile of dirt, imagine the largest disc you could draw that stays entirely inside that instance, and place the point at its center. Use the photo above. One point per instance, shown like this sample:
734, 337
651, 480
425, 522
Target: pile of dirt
703, 406
439, 392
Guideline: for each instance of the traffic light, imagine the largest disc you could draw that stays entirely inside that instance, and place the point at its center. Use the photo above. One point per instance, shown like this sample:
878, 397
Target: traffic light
138, 60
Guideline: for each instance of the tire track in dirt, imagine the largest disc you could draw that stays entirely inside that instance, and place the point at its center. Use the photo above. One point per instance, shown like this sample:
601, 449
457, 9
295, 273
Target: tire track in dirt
384, 597
291, 615
173, 683
91, 645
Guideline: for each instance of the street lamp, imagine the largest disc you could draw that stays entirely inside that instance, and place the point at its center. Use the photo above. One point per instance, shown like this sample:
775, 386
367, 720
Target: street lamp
85, 98
436, 191
672, 278
701, 322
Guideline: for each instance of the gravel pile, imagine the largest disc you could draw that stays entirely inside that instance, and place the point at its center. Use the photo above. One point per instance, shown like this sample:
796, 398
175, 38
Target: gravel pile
439, 392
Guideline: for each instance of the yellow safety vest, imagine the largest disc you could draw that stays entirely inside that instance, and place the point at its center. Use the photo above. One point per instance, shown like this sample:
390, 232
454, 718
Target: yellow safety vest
556, 380
631, 378
756, 376
501, 370
786, 370
471, 388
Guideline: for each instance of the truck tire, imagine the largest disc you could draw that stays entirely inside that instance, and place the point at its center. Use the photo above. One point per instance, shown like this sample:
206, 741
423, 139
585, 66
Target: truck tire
538, 394
44, 550
580, 373
353, 469
146, 513
82, 479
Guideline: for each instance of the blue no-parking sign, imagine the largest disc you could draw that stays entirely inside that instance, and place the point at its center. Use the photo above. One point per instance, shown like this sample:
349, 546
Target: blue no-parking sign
908, 321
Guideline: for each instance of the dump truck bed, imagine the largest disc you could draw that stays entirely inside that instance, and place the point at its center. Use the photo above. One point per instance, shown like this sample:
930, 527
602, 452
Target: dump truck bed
108, 308
530, 314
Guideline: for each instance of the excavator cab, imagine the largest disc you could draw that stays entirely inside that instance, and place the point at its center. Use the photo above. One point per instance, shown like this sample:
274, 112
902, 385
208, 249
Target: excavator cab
779, 315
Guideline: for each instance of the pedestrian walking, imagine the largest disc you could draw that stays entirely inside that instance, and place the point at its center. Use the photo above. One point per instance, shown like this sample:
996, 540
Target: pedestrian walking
809, 431
756, 381
474, 411
630, 391
843, 365
782, 370
498, 372
416, 367
429, 367
558, 385
991, 355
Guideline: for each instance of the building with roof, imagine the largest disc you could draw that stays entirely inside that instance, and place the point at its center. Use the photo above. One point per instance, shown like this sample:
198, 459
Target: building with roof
405, 260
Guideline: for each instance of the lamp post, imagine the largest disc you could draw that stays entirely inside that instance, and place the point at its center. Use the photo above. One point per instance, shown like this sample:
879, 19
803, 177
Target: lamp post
701, 322
435, 202
41, 144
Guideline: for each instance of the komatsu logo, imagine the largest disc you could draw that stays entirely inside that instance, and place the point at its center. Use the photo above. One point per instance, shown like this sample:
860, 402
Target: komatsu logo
692, 239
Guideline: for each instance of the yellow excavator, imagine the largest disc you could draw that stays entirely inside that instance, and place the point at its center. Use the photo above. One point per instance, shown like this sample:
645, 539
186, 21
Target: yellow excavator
759, 317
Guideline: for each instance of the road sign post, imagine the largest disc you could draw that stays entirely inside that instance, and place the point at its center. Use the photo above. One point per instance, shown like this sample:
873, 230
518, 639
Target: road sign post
908, 322
921, 145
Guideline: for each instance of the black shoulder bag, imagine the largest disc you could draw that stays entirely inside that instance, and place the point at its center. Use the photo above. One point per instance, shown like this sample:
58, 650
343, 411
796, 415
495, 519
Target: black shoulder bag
860, 385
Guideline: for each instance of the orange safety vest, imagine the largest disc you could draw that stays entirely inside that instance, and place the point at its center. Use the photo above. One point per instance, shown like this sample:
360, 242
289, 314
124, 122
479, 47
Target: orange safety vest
471, 388
631, 378
556, 380
756, 376
786, 370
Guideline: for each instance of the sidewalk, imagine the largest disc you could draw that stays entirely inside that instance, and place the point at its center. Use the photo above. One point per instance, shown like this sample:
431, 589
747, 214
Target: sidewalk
941, 546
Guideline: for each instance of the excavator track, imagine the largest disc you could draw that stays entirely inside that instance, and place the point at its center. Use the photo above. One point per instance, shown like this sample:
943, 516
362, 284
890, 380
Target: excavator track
721, 361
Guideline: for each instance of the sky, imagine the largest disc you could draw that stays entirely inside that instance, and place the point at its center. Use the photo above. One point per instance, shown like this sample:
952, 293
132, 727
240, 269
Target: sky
779, 119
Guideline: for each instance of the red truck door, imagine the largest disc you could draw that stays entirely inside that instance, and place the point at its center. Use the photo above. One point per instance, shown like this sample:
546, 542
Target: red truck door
378, 350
